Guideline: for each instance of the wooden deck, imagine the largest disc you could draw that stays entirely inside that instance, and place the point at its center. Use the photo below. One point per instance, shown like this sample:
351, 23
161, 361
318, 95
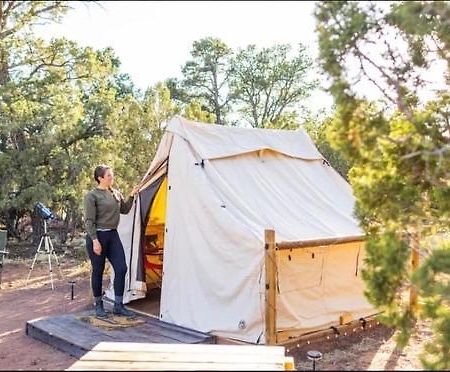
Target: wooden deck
76, 337
162, 357
149, 305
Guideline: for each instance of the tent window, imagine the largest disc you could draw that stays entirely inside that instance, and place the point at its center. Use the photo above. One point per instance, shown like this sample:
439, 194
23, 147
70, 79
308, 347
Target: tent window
300, 269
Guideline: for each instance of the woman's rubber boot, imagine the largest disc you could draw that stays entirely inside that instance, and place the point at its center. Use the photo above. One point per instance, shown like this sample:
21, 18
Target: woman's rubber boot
100, 310
120, 310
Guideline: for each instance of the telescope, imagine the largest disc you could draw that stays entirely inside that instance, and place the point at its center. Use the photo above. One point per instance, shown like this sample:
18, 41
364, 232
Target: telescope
44, 212
45, 243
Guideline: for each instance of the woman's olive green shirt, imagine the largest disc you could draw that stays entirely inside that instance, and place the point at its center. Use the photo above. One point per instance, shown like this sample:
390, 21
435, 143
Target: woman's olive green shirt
102, 209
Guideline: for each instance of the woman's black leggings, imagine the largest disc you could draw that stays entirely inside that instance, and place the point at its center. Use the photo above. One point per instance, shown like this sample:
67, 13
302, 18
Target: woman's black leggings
113, 250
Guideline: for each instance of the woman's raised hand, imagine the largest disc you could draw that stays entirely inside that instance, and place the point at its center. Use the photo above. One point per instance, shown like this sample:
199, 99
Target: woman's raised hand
135, 190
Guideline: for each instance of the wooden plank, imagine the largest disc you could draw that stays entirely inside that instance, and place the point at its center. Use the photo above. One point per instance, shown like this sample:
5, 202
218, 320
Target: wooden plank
178, 335
222, 340
270, 303
149, 306
68, 328
59, 343
70, 338
182, 357
225, 349
152, 320
177, 328
82, 365
149, 333
172, 356
75, 337
74, 327
318, 242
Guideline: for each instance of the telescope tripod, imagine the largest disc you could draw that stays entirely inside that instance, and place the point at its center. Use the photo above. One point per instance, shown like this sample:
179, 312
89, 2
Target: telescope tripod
47, 246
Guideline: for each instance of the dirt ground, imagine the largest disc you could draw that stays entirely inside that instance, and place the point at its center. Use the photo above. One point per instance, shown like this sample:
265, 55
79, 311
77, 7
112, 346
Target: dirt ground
371, 350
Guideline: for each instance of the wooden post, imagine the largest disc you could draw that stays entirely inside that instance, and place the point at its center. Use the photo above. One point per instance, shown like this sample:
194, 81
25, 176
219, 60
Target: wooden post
414, 244
271, 266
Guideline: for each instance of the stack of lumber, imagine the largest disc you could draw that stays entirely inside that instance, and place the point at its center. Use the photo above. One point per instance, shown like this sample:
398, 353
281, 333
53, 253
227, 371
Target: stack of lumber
152, 357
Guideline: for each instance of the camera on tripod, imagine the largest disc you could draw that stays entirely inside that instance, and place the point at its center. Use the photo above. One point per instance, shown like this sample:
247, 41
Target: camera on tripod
44, 212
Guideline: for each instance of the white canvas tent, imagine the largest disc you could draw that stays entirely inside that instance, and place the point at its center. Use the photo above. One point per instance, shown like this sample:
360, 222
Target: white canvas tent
223, 187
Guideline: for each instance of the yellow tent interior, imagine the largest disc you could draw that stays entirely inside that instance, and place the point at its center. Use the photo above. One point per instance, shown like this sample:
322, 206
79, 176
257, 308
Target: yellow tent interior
154, 238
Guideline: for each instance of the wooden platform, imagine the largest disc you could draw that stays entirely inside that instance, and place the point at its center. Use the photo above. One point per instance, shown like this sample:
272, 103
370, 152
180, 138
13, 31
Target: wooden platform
149, 305
162, 357
76, 337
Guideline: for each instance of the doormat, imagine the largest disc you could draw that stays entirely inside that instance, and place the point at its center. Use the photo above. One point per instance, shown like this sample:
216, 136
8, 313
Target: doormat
111, 322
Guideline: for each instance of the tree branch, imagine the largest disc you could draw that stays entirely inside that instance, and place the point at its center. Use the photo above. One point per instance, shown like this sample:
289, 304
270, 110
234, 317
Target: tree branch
29, 16
399, 102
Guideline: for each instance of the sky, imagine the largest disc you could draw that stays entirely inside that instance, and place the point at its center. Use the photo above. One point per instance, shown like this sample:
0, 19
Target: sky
153, 38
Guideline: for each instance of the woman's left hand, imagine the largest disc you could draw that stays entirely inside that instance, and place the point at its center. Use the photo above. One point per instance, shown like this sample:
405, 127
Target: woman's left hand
135, 190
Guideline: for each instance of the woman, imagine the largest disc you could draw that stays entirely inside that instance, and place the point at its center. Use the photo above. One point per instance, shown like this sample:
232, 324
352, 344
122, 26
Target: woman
102, 208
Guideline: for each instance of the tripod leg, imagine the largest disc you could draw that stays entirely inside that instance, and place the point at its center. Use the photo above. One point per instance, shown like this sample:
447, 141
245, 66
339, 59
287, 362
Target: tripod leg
56, 259
47, 248
34, 261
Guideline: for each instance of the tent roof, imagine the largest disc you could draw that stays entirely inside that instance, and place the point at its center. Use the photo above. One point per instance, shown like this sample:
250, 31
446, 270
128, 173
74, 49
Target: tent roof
217, 141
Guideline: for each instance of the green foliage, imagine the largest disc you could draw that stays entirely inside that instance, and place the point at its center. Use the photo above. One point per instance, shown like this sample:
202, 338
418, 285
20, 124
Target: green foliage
64, 109
319, 131
384, 252
205, 77
269, 83
53, 96
433, 279
194, 111
138, 128
264, 86
398, 146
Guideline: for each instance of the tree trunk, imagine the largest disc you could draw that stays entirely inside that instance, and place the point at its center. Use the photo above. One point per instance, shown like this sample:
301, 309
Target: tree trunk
38, 228
64, 230
4, 67
10, 221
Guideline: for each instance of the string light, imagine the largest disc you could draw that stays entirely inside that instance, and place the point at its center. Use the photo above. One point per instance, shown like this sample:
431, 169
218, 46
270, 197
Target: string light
337, 333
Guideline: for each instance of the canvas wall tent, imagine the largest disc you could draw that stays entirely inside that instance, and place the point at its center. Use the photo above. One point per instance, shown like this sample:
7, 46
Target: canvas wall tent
208, 197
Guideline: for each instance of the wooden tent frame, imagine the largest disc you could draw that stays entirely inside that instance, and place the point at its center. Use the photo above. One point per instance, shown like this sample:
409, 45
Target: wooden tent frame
271, 249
